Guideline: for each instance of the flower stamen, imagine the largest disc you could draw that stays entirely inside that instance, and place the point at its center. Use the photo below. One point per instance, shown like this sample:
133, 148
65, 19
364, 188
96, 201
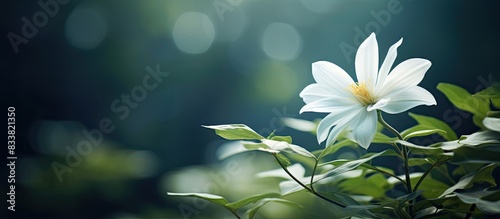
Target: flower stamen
362, 93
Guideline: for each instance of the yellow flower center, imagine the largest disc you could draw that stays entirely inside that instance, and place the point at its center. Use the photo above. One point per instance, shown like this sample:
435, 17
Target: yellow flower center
362, 93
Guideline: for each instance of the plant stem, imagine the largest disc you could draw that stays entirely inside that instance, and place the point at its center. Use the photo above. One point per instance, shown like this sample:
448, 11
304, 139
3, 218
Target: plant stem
305, 187
471, 211
404, 153
429, 171
407, 175
313, 173
386, 125
389, 174
235, 214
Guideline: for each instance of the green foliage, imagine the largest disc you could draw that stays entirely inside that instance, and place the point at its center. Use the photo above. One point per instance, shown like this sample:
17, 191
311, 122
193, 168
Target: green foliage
335, 147
373, 185
359, 188
252, 199
219, 200
475, 155
233, 207
422, 150
423, 132
235, 132
251, 212
487, 201
283, 160
286, 139
491, 93
482, 175
430, 123
463, 100
343, 166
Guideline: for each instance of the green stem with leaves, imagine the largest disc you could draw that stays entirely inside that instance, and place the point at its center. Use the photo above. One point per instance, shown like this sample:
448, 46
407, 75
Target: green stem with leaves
305, 187
429, 171
404, 153
235, 213
313, 173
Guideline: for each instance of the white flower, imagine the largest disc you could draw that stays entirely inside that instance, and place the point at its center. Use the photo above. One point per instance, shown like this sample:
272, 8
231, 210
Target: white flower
353, 105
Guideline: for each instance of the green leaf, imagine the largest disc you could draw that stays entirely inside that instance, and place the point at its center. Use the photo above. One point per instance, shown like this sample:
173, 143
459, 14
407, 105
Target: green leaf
418, 161
374, 185
480, 138
482, 175
287, 139
430, 186
283, 160
286, 147
495, 102
341, 198
492, 123
427, 122
255, 146
465, 168
475, 155
430, 212
447, 145
351, 165
424, 132
435, 202
463, 100
423, 150
487, 201
401, 200
252, 199
209, 197
235, 132
492, 91
382, 139
335, 147
251, 212
272, 146
361, 211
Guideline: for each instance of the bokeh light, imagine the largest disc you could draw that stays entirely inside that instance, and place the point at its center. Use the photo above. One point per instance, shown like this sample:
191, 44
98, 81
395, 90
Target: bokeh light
86, 28
281, 41
193, 32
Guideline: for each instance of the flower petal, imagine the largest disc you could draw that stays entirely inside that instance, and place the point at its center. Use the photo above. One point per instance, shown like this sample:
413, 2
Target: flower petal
332, 77
407, 74
366, 62
492, 123
334, 118
408, 99
314, 92
341, 125
379, 104
365, 129
328, 105
387, 64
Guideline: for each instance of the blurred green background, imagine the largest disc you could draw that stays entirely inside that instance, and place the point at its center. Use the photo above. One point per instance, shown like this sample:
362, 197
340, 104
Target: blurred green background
68, 66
